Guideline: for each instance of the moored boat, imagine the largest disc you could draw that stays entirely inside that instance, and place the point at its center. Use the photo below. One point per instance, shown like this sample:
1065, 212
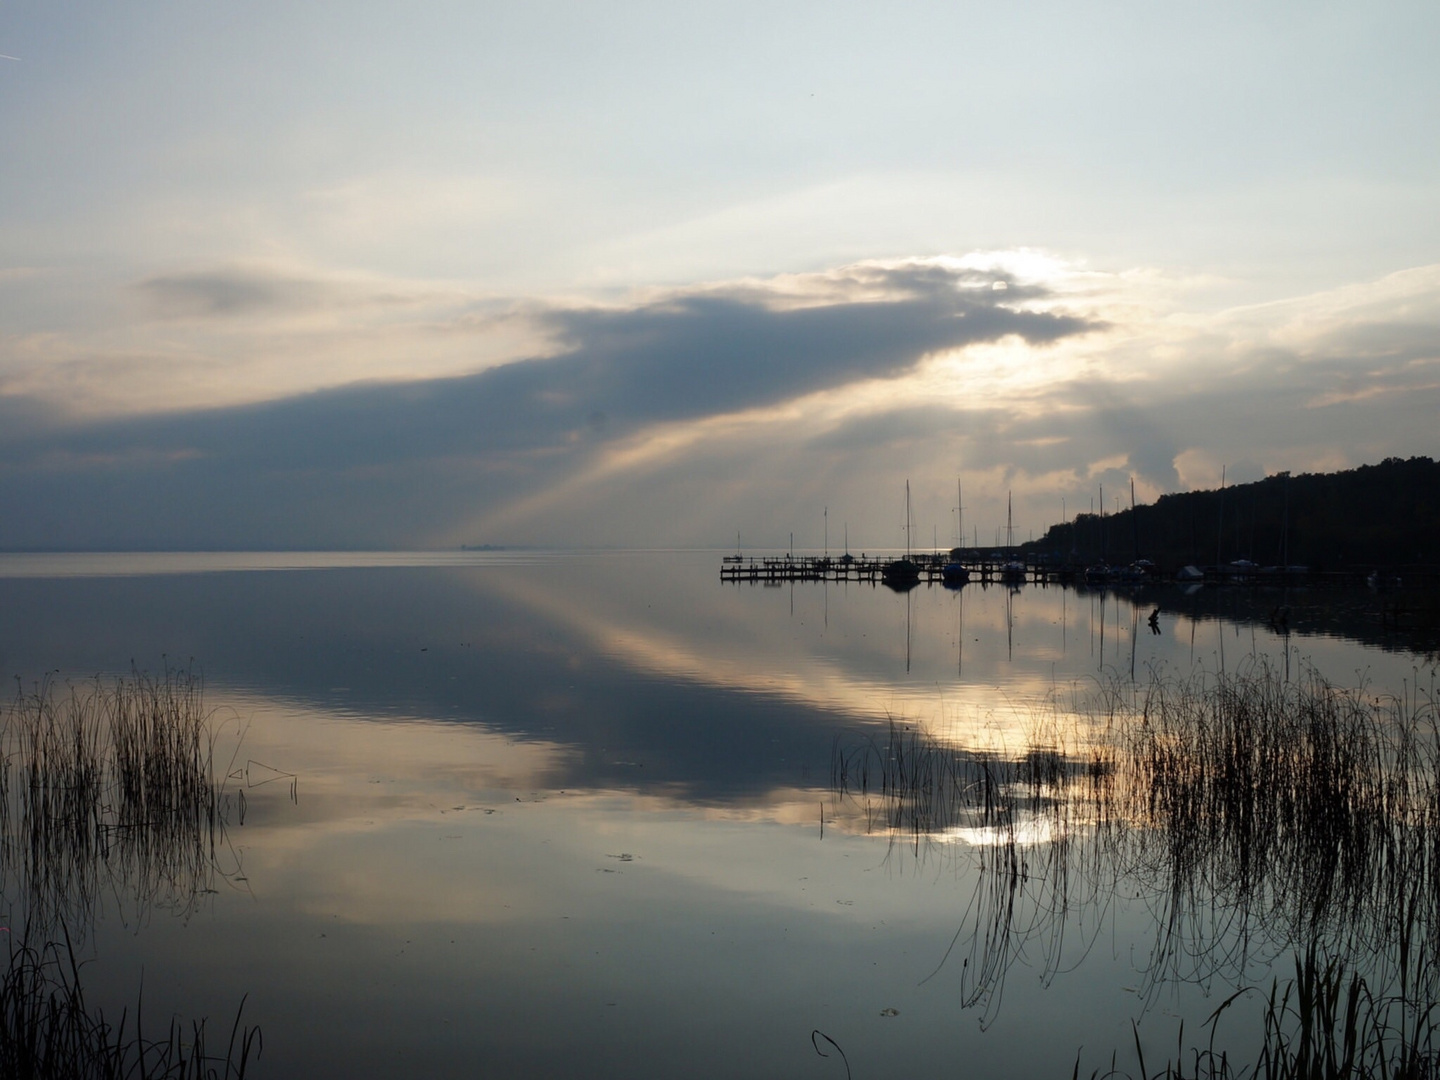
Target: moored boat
900, 572
903, 573
954, 573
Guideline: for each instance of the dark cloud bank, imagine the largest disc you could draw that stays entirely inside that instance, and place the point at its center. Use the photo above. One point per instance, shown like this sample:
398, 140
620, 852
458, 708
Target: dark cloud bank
387, 465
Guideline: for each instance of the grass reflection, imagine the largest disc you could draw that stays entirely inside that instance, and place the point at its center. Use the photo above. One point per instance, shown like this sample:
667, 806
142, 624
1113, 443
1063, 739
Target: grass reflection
108, 789
1326, 1023
48, 1031
1253, 815
114, 786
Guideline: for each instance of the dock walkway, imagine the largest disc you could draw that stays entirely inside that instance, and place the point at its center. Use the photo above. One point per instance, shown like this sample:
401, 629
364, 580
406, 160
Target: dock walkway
988, 567
779, 568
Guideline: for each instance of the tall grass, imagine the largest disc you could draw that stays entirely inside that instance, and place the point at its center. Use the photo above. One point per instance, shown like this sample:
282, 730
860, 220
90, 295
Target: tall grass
1028, 818
107, 789
109, 784
1325, 1023
48, 1031
1255, 815
1290, 811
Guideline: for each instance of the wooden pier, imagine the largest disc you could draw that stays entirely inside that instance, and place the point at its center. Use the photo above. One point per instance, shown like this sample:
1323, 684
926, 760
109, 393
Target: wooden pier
996, 567
774, 569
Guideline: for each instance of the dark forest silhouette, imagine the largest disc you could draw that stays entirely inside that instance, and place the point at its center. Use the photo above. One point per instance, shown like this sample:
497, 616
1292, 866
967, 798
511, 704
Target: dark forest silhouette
1385, 515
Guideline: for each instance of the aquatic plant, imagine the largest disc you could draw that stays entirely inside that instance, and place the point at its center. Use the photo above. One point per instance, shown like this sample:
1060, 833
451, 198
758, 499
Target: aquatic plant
1288, 811
1254, 815
48, 1031
106, 789
1032, 820
1323, 1024
111, 782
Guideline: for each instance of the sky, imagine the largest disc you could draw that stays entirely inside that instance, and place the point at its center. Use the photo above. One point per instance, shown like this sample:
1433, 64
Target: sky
370, 275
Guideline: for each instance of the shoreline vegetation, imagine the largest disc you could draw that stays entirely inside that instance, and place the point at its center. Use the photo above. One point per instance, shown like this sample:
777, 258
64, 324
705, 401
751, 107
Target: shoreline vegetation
48, 1031
1375, 516
1255, 816
108, 791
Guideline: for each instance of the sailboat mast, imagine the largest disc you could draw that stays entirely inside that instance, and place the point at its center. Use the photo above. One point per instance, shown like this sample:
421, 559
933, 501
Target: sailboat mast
1220, 531
960, 504
1285, 534
907, 519
1134, 521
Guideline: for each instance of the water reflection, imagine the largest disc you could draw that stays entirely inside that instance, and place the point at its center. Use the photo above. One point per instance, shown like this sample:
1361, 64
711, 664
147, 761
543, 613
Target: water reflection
110, 790
110, 801
1401, 622
1252, 815
600, 788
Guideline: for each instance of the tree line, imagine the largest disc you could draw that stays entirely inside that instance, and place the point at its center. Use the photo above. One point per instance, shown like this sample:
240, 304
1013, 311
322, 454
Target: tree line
1376, 515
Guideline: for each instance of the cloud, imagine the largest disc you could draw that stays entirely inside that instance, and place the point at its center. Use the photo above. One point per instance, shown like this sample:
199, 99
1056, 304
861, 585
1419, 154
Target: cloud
698, 355
689, 413
681, 357
228, 293
332, 464
23, 418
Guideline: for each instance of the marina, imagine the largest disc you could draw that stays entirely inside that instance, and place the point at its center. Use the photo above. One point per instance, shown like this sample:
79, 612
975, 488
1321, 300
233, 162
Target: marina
960, 566
930, 568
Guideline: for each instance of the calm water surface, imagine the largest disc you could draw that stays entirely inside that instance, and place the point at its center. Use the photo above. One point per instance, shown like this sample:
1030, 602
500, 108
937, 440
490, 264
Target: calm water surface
560, 815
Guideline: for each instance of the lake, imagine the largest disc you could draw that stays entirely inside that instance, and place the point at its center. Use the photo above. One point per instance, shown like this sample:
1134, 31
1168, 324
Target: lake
559, 814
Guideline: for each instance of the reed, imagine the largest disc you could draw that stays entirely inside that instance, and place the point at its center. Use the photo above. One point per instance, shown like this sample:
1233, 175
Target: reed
1325, 1023
1032, 819
109, 783
1255, 815
107, 790
1298, 807
918, 786
48, 1031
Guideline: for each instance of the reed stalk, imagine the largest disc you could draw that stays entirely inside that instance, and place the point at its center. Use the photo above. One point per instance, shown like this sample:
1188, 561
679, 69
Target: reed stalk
109, 783
48, 1031
107, 789
1255, 815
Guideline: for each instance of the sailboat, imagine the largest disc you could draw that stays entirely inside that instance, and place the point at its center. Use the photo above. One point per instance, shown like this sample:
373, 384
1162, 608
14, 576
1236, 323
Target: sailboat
954, 572
1013, 572
902, 574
